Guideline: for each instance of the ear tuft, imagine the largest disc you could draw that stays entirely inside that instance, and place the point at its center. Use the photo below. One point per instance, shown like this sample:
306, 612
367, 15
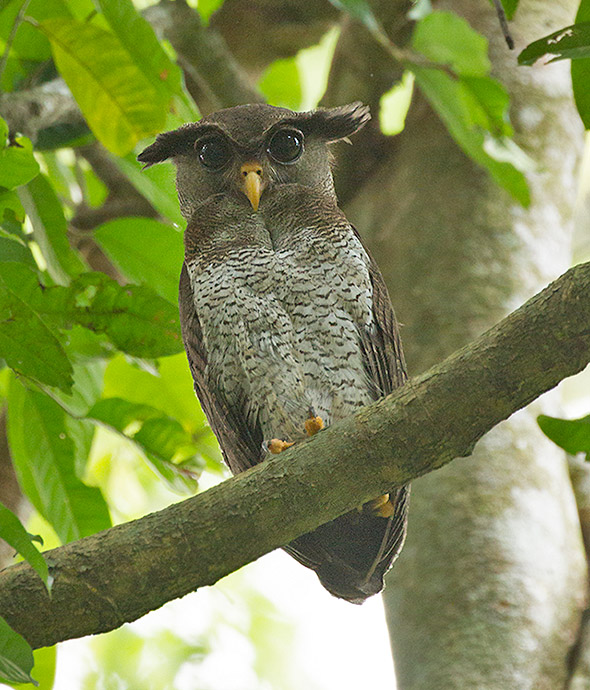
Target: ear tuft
178, 142
340, 122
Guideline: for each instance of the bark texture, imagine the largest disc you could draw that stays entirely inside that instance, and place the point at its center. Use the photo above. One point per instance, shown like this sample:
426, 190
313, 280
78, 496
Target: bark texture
118, 575
489, 589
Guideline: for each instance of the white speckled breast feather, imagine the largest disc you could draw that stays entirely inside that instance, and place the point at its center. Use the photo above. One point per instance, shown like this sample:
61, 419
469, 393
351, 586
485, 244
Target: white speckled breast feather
282, 329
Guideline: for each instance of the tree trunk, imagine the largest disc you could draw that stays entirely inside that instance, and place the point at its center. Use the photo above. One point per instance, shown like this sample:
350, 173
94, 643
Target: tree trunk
489, 589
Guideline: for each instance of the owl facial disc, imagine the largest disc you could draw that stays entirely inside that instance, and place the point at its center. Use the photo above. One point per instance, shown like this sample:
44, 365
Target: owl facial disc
252, 183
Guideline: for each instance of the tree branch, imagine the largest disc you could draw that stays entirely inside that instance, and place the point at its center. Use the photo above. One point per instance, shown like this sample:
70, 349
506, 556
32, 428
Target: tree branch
357, 55
120, 574
40, 107
286, 25
214, 78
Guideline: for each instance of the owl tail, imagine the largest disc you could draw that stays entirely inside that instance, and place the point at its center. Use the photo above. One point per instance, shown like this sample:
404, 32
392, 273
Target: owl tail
351, 554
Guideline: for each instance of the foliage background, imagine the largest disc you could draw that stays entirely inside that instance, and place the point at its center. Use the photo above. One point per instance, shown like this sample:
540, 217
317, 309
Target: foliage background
98, 409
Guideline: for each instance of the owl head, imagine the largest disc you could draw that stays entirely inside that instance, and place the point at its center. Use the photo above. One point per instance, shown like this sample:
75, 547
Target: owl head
249, 149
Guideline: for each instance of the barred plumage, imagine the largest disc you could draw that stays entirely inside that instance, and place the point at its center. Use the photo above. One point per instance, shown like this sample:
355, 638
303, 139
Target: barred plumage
284, 313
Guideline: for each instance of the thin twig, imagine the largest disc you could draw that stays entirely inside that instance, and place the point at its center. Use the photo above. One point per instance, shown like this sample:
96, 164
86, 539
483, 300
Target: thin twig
407, 58
17, 22
504, 23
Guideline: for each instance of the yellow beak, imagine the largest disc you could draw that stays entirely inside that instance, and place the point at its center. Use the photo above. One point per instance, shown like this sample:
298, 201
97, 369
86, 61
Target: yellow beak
252, 183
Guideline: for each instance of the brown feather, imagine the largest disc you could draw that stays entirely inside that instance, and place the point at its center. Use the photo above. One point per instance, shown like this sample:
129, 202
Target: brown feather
298, 214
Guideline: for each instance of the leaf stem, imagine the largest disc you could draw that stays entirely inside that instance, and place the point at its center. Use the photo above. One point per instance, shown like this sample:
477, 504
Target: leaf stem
17, 22
407, 58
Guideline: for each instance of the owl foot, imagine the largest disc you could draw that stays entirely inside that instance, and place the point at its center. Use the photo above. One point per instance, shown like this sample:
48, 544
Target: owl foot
380, 506
313, 424
276, 445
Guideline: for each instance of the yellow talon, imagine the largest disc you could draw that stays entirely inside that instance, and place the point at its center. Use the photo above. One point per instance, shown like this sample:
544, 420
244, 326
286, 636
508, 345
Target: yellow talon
313, 425
381, 506
276, 445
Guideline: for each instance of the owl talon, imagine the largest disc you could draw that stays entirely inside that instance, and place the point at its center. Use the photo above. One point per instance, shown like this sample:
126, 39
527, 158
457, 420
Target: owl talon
381, 506
313, 425
277, 445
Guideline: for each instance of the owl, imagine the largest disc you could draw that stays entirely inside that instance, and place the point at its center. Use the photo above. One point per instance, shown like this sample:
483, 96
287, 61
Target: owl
285, 317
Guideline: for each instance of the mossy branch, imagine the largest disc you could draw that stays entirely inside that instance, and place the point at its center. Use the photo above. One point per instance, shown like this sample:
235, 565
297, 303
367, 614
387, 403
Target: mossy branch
119, 575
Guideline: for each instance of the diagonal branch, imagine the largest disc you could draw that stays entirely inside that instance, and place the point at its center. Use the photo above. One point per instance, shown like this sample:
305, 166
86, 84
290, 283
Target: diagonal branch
214, 77
119, 575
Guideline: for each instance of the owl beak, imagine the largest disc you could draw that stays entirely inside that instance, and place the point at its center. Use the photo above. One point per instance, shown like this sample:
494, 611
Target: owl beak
252, 182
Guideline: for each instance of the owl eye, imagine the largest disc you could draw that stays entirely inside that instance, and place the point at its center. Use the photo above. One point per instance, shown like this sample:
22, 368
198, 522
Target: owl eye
286, 145
214, 152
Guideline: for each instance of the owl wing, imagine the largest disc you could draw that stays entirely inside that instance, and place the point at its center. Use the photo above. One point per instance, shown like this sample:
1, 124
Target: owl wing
384, 360
240, 438
381, 344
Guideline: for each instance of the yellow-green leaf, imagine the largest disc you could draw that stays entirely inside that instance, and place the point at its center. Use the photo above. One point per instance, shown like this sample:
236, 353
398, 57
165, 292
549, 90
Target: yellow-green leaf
16, 656
13, 532
118, 101
44, 455
17, 163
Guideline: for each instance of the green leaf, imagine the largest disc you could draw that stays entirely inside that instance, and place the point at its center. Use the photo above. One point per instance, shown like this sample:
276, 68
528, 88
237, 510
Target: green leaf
26, 343
44, 459
170, 389
84, 10
140, 41
165, 444
359, 10
509, 7
280, 84
64, 135
581, 86
29, 44
581, 72
448, 97
16, 656
447, 39
9, 201
13, 75
88, 381
486, 104
583, 13
50, 229
81, 431
314, 68
118, 101
14, 245
145, 251
17, 163
134, 318
207, 7
473, 106
138, 38
571, 42
156, 184
13, 250
394, 105
44, 668
12, 531
95, 191
573, 435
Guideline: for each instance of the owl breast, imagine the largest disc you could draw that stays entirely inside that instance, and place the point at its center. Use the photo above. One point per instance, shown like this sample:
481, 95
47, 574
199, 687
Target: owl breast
281, 326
